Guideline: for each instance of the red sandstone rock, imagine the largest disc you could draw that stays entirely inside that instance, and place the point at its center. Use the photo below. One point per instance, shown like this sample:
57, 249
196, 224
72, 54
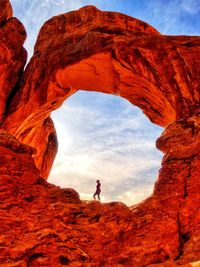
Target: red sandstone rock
5, 11
12, 54
112, 53
43, 225
45, 138
180, 178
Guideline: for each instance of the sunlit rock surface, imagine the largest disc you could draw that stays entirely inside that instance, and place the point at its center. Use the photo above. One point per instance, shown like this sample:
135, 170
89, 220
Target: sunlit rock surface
111, 53
43, 225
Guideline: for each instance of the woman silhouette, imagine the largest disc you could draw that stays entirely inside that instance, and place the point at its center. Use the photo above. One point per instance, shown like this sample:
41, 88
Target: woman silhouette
98, 190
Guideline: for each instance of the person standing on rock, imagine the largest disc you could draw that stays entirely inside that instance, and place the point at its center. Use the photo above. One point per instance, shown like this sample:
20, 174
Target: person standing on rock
98, 190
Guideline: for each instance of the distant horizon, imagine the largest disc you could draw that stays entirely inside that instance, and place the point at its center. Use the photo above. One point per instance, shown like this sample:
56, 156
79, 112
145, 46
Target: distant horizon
103, 136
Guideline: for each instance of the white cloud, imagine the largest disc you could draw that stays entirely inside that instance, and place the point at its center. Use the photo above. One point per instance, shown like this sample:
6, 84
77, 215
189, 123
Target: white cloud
109, 140
190, 6
174, 17
136, 195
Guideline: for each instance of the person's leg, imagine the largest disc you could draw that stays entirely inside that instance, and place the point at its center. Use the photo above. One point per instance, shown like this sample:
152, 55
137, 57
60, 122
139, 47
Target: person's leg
98, 196
94, 196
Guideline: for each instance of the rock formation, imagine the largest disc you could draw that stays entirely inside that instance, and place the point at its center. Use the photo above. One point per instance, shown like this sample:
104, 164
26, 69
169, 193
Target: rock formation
5, 11
43, 225
12, 54
111, 53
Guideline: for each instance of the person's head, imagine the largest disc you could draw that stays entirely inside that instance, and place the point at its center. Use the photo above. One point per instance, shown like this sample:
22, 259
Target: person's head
98, 181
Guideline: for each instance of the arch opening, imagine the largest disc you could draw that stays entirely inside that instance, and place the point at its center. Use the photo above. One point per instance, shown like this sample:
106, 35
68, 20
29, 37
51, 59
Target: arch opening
105, 137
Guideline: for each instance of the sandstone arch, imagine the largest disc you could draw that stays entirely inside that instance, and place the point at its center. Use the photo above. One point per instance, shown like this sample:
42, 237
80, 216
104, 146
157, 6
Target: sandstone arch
161, 75
106, 52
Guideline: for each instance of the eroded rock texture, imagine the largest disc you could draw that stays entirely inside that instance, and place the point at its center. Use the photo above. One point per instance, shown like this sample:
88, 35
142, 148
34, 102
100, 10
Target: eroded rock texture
111, 53
12, 54
43, 225
5, 11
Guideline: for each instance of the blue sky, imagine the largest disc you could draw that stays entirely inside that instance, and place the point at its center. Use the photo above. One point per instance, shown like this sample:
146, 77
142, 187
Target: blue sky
102, 136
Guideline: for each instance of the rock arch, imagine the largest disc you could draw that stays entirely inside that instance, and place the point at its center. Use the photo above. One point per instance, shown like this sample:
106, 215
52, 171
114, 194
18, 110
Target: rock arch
106, 52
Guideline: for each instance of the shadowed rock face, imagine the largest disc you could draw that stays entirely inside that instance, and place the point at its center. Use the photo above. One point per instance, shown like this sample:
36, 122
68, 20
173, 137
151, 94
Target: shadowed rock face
12, 54
108, 52
5, 11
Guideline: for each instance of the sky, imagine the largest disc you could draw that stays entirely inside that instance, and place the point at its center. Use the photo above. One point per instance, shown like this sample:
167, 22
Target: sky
103, 136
